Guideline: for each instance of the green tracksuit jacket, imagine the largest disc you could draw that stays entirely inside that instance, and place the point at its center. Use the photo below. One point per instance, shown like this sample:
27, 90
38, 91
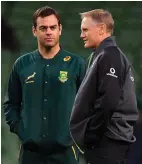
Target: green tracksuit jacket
40, 97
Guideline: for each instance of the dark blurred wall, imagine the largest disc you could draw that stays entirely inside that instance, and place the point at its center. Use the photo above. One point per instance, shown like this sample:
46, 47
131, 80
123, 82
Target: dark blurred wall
17, 39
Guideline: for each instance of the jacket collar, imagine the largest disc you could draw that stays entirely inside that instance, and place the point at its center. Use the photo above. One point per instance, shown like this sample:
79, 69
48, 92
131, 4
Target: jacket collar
107, 42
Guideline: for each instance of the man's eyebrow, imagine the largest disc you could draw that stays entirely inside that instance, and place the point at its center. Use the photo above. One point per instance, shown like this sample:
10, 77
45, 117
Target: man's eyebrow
83, 28
53, 25
47, 26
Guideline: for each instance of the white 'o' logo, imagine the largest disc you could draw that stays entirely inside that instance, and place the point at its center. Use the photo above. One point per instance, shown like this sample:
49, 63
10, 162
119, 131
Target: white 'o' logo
112, 71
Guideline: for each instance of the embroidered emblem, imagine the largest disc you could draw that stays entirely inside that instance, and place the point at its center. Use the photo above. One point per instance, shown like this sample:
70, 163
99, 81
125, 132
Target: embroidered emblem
132, 78
112, 73
63, 76
30, 77
67, 58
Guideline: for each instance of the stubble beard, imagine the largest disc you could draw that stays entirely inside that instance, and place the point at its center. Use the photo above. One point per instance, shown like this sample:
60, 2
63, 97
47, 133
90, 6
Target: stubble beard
47, 47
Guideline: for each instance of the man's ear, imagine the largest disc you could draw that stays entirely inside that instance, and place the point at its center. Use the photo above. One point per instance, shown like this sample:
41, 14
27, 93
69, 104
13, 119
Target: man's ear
60, 28
102, 29
34, 31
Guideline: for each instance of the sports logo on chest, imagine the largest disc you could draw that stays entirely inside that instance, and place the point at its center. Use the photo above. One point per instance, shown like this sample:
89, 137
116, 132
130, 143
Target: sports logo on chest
67, 58
63, 76
30, 79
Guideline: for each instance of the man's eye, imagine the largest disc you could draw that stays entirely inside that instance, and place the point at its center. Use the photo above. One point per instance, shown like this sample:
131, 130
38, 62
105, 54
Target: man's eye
85, 30
42, 28
53, 28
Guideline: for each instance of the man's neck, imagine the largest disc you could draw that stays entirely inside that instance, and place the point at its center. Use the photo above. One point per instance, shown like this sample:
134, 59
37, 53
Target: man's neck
48, 53
103, 38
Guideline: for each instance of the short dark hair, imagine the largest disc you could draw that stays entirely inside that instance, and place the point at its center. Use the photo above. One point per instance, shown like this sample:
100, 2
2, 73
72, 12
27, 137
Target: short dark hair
43, 12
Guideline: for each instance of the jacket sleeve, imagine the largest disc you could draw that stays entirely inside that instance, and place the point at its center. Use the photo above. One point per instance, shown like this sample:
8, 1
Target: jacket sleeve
110, 80
13, 99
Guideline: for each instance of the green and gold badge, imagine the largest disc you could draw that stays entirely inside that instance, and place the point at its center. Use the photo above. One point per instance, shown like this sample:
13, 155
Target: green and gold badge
63, 76
67, 58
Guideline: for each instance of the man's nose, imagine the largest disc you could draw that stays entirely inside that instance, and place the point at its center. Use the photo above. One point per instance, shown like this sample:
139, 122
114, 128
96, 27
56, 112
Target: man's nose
48, 31
81, 35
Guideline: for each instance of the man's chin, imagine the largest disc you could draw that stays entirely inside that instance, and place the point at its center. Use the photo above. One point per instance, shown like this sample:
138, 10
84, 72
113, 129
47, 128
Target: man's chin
86, 46
49, 45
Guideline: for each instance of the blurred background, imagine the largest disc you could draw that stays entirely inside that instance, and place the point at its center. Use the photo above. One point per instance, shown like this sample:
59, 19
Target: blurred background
17, 39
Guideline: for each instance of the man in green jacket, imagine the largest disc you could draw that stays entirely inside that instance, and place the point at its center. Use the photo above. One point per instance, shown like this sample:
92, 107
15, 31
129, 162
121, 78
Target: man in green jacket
41, 91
